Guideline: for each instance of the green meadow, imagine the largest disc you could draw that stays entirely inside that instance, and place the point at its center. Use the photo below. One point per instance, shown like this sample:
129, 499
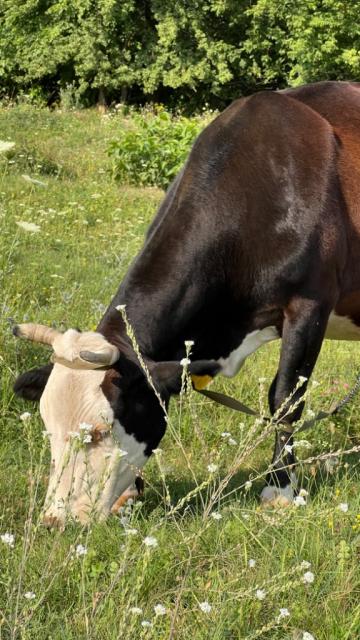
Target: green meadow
197, 558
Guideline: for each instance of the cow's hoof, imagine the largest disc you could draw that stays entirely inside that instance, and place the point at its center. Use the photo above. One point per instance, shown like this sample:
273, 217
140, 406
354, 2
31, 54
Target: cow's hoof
277, 496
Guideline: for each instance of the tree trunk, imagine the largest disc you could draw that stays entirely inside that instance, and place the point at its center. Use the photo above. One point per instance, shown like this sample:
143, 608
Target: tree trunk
101, 104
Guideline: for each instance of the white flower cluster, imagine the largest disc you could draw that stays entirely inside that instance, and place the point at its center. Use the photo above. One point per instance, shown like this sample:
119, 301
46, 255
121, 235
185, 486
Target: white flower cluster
205, 606
150, 541
284, 613
212, 468
308, 577
24, 417
228, 437
8, 538
84, 435
160, 610
80, 550
299, 501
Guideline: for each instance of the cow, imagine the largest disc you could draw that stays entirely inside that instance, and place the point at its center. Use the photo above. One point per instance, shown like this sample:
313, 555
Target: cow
257, 239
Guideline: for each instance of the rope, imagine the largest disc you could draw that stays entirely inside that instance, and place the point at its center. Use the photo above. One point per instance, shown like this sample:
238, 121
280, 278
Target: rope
236, 405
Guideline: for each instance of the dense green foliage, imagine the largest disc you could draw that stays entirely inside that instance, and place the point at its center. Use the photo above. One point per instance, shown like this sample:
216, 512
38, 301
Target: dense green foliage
153, 149
83, 51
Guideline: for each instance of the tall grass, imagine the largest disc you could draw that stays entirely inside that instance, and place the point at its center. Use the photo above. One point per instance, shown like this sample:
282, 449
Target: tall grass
198, 544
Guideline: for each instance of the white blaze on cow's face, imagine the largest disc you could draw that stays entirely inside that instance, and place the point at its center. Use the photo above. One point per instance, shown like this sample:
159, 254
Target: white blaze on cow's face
86, 477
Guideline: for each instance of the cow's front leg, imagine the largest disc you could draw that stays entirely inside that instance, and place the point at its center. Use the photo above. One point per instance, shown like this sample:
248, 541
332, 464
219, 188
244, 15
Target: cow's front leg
304, 327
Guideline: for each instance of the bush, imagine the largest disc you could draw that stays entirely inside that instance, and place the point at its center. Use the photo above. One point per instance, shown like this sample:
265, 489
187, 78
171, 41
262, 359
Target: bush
153, 149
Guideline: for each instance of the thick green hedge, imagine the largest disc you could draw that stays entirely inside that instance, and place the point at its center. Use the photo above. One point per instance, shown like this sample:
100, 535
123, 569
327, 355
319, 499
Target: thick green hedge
185, 53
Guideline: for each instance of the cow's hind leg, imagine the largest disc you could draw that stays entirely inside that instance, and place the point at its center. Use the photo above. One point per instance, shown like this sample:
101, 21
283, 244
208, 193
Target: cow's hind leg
304, 327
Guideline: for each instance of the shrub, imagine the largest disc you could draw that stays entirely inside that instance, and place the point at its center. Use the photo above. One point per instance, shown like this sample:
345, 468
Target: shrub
153, 149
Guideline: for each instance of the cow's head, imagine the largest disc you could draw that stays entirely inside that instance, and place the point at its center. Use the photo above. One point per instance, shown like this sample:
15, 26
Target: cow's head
102, 415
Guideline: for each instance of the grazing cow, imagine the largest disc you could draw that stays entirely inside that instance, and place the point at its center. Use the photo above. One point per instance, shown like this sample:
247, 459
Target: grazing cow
258, 238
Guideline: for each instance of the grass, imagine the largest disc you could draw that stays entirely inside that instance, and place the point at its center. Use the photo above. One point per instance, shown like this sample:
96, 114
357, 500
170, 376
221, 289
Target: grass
90, 228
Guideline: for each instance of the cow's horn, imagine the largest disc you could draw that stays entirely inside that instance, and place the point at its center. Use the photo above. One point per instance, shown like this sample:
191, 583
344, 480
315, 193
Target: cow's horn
96, 358
36, 332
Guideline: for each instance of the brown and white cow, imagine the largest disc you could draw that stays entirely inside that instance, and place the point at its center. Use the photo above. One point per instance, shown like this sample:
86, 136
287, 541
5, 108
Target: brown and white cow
258, 238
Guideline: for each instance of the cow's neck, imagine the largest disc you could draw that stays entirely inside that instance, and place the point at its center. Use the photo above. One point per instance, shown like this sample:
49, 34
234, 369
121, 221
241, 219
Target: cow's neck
175, 291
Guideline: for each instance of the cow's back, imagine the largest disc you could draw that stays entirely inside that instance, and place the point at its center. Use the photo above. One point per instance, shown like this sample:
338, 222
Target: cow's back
339, 104
264, 178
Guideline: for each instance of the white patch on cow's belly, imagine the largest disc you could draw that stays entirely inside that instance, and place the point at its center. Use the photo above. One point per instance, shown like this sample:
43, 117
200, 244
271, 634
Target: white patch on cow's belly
252, 341
341, 328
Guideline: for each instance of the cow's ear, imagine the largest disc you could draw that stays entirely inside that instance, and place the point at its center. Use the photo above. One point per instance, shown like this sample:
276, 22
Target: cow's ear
167, 376
31, 384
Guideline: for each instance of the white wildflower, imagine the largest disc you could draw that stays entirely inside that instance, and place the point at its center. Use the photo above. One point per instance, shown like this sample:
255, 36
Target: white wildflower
136, 611
6, 145
310, 414
284, 613
120, 307
216, 515
226, 434
160, 610
248, 485
303, 493
131, 532
8, 538
307, 636
189, 344
344, 507
205, 606
146, 623
29, 595
24, 417
288, 448
252, 563
302, 379
299, 501
305, 564
231, 441
260, 594
212, 468
86, 439
185, 362
85, 426
308, 577
80, 550
150, 541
